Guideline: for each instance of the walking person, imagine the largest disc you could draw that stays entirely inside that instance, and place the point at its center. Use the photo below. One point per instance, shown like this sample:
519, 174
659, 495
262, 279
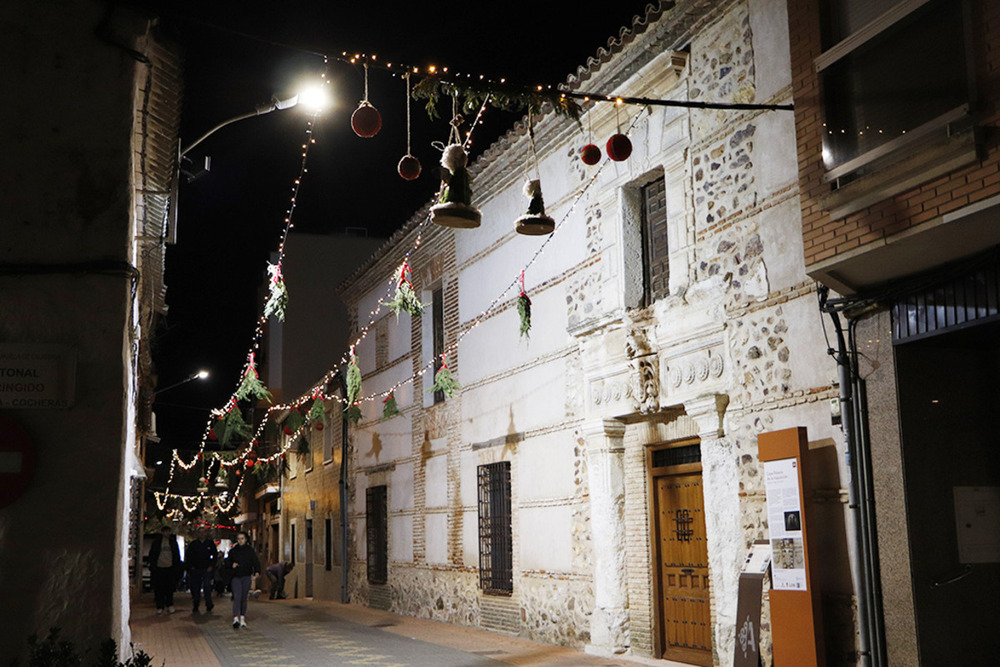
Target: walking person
242, 561
164, 569
276, 573
200, 559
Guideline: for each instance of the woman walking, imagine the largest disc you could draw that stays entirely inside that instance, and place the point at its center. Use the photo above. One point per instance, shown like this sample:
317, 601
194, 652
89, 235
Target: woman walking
242, 561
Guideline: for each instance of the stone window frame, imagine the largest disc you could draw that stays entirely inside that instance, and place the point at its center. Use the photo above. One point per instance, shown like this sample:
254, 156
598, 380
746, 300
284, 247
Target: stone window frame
633, 235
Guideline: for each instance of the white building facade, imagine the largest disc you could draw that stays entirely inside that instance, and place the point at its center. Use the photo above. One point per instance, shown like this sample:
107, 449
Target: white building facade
597, 484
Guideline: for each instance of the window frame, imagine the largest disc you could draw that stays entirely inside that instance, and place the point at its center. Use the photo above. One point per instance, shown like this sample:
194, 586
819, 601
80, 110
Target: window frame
944, 122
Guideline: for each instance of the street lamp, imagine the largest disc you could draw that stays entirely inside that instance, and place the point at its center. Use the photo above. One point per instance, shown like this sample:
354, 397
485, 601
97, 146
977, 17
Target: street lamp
199, 375
313, 98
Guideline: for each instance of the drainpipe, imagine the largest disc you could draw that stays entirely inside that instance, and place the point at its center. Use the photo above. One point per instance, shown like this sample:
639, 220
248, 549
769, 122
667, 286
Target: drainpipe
345, 528
865, 558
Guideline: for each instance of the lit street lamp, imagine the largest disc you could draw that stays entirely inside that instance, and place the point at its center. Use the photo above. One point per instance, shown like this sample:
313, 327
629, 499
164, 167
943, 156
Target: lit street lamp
200, 375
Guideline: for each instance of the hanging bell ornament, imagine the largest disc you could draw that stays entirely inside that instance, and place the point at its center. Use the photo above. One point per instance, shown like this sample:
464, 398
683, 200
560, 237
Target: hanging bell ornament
202, 485
409, 167
535, 222
454, 208
366, 121
619, 147
590, 154
222, 479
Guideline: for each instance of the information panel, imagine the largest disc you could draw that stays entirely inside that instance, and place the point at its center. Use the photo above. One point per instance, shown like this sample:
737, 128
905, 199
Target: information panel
784, 517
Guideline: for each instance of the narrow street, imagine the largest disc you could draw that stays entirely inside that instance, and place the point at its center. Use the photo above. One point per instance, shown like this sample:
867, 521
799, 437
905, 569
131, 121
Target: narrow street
308, 633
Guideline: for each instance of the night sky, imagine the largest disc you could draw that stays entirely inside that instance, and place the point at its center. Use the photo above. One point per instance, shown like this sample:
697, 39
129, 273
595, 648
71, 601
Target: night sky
236, 56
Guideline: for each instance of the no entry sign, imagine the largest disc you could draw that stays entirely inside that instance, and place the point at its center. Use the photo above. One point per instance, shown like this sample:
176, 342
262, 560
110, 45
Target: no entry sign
17, 460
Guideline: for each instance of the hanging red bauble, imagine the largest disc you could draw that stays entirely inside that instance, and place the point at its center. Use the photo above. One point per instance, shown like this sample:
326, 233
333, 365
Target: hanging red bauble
409, 167
319, 426
366, 121
211, 434
590, 154
248, 463
619, 147
288, 430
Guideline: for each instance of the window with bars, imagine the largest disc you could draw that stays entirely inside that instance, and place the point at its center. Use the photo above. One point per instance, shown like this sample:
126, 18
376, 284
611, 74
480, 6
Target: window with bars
655, 251
377, 520
328, 544
437, 323
883, 87
496, 554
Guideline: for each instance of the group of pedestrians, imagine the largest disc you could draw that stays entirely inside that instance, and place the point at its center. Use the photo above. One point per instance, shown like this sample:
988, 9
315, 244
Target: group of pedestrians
237, 570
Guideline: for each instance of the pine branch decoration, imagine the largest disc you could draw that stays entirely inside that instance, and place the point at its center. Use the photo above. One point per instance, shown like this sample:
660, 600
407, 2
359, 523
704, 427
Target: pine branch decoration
473, 93
302, 447
232, 424
277, 300
353, 379
443, 381
389, 407
317, 413
251, 384
353, 413
294, 421
524, 310
405, 298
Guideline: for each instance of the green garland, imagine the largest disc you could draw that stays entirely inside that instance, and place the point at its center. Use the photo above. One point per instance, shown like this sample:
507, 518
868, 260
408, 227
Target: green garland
524, 310
353, 413
302, 447
262, 471
507, 98
353, 379
277, 300
294, 420
232, 424
443, 381
252, 386
405, 300
389, 407
317, 413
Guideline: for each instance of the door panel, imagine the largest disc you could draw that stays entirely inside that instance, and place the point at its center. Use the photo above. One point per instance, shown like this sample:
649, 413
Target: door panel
683, 569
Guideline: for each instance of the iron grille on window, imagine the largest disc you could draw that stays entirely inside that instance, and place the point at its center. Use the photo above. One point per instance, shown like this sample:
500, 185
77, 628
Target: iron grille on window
496, 576
656, 253
969, 299
672, 456
376, 515
437, 318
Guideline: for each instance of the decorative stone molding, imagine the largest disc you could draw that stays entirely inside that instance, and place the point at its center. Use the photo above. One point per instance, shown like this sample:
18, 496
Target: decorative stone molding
694, 373
645, 373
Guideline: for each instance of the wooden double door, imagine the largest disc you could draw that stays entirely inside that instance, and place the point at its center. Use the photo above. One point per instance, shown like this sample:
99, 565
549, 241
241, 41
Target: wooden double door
680, 553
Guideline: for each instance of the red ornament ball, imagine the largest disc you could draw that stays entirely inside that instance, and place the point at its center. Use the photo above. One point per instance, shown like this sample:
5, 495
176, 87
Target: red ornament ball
366, 121
211, 434
409, 167
319, 426
288, 430
619, 147
248, 463
590, 154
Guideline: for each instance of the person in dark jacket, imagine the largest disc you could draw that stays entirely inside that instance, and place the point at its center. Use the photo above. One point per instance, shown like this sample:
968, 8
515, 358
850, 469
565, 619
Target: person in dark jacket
276, 572
200, 560
165, 568
242, 561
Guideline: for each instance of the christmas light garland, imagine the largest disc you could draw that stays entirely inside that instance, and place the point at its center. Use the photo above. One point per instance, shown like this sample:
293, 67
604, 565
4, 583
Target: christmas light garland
191, 502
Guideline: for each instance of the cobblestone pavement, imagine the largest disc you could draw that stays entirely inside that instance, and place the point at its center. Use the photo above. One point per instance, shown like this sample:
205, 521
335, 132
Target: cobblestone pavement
308, 633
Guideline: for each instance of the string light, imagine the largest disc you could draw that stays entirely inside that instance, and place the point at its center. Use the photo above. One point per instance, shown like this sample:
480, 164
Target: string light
317, 391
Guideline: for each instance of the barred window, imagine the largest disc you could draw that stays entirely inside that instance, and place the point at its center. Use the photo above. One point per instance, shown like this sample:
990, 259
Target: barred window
377, 518
496, 576
437, 319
